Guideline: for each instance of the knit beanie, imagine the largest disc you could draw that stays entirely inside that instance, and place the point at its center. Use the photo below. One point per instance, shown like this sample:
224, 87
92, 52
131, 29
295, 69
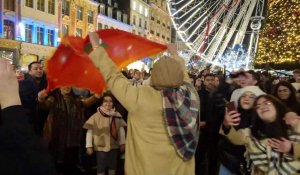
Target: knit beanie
253, 89
166, 73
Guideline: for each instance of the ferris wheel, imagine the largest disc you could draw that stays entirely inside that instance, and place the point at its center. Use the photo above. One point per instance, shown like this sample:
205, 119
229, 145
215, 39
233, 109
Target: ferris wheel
221, 32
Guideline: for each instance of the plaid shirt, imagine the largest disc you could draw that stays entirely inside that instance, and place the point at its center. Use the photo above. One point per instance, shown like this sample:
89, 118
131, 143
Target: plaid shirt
181, 115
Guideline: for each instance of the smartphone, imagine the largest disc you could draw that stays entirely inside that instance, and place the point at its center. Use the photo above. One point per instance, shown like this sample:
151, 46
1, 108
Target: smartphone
231, 106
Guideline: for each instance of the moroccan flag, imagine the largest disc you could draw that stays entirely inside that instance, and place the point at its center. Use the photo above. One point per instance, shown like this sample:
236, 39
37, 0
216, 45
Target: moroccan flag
71, 66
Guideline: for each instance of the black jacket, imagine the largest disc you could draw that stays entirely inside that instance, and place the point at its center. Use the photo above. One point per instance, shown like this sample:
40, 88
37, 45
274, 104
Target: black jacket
29, 90
230, 155
21, 152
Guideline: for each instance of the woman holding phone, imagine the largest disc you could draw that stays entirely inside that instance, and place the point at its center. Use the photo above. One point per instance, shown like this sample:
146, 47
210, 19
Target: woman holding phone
272, 145
232, 156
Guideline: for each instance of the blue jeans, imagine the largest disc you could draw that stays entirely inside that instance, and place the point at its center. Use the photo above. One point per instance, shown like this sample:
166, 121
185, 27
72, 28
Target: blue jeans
224, 171
107, 160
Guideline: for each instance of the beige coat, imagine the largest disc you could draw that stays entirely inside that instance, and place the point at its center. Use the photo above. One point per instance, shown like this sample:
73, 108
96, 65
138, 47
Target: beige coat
100, 126
148, 148
242, 137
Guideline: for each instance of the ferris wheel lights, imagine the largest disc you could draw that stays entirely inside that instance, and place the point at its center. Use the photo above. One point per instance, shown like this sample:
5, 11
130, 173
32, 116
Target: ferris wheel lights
190, 18
184, 6
256, 22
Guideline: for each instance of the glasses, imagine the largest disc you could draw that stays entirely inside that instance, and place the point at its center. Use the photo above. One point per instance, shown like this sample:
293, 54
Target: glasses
264, 104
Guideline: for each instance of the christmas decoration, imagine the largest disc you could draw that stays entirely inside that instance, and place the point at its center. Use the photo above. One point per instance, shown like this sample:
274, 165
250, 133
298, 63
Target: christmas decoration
279, 44
235, 58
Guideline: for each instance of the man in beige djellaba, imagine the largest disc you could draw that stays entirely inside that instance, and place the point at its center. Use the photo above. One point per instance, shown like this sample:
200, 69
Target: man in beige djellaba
163, 118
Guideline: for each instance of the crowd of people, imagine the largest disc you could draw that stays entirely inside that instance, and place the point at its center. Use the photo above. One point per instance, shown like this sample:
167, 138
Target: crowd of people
163, 122
238, 107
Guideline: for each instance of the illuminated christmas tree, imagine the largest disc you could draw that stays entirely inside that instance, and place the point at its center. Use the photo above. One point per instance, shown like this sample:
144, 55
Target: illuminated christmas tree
279, 43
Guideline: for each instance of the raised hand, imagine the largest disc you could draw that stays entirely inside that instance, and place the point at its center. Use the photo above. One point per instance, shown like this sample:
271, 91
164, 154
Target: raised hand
291, 118
9, 88
172, 49
231, 118
94, 39
42, 95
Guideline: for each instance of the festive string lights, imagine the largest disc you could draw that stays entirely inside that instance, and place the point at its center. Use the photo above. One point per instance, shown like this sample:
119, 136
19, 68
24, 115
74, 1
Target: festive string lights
279, 43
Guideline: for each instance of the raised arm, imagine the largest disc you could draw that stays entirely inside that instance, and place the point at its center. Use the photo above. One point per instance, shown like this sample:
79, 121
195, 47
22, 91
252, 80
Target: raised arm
44, 100
121, 88
89, 101
173, 51
21, 150
240, 137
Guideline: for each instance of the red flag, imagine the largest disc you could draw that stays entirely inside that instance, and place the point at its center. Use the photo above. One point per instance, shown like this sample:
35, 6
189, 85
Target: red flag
124, 48
71, 66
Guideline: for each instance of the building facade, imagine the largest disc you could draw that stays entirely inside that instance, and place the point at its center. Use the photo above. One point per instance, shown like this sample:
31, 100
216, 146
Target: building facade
112, 16
160, 22
77, 17
28, 29
140, 17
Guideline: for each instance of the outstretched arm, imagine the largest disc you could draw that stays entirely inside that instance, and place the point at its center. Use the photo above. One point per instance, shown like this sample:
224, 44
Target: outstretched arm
173, 51
21, 151
240, 137
121, 88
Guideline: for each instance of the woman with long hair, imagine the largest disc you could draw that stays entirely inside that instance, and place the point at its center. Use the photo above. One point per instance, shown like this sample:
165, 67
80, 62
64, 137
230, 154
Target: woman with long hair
264, 140
286, 93
232, 156
198, 83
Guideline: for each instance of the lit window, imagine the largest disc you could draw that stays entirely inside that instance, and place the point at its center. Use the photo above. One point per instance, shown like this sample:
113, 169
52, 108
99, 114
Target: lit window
65, 30
51, 37
109, 12
9, 5
125, 18
146, 12
141, 9
90, 17
78, 32
40, 35
41, 5
65, 7
134, 5
29, 3
119, 15
28, 33
51, 7
79, 12
8, 29
102, 9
